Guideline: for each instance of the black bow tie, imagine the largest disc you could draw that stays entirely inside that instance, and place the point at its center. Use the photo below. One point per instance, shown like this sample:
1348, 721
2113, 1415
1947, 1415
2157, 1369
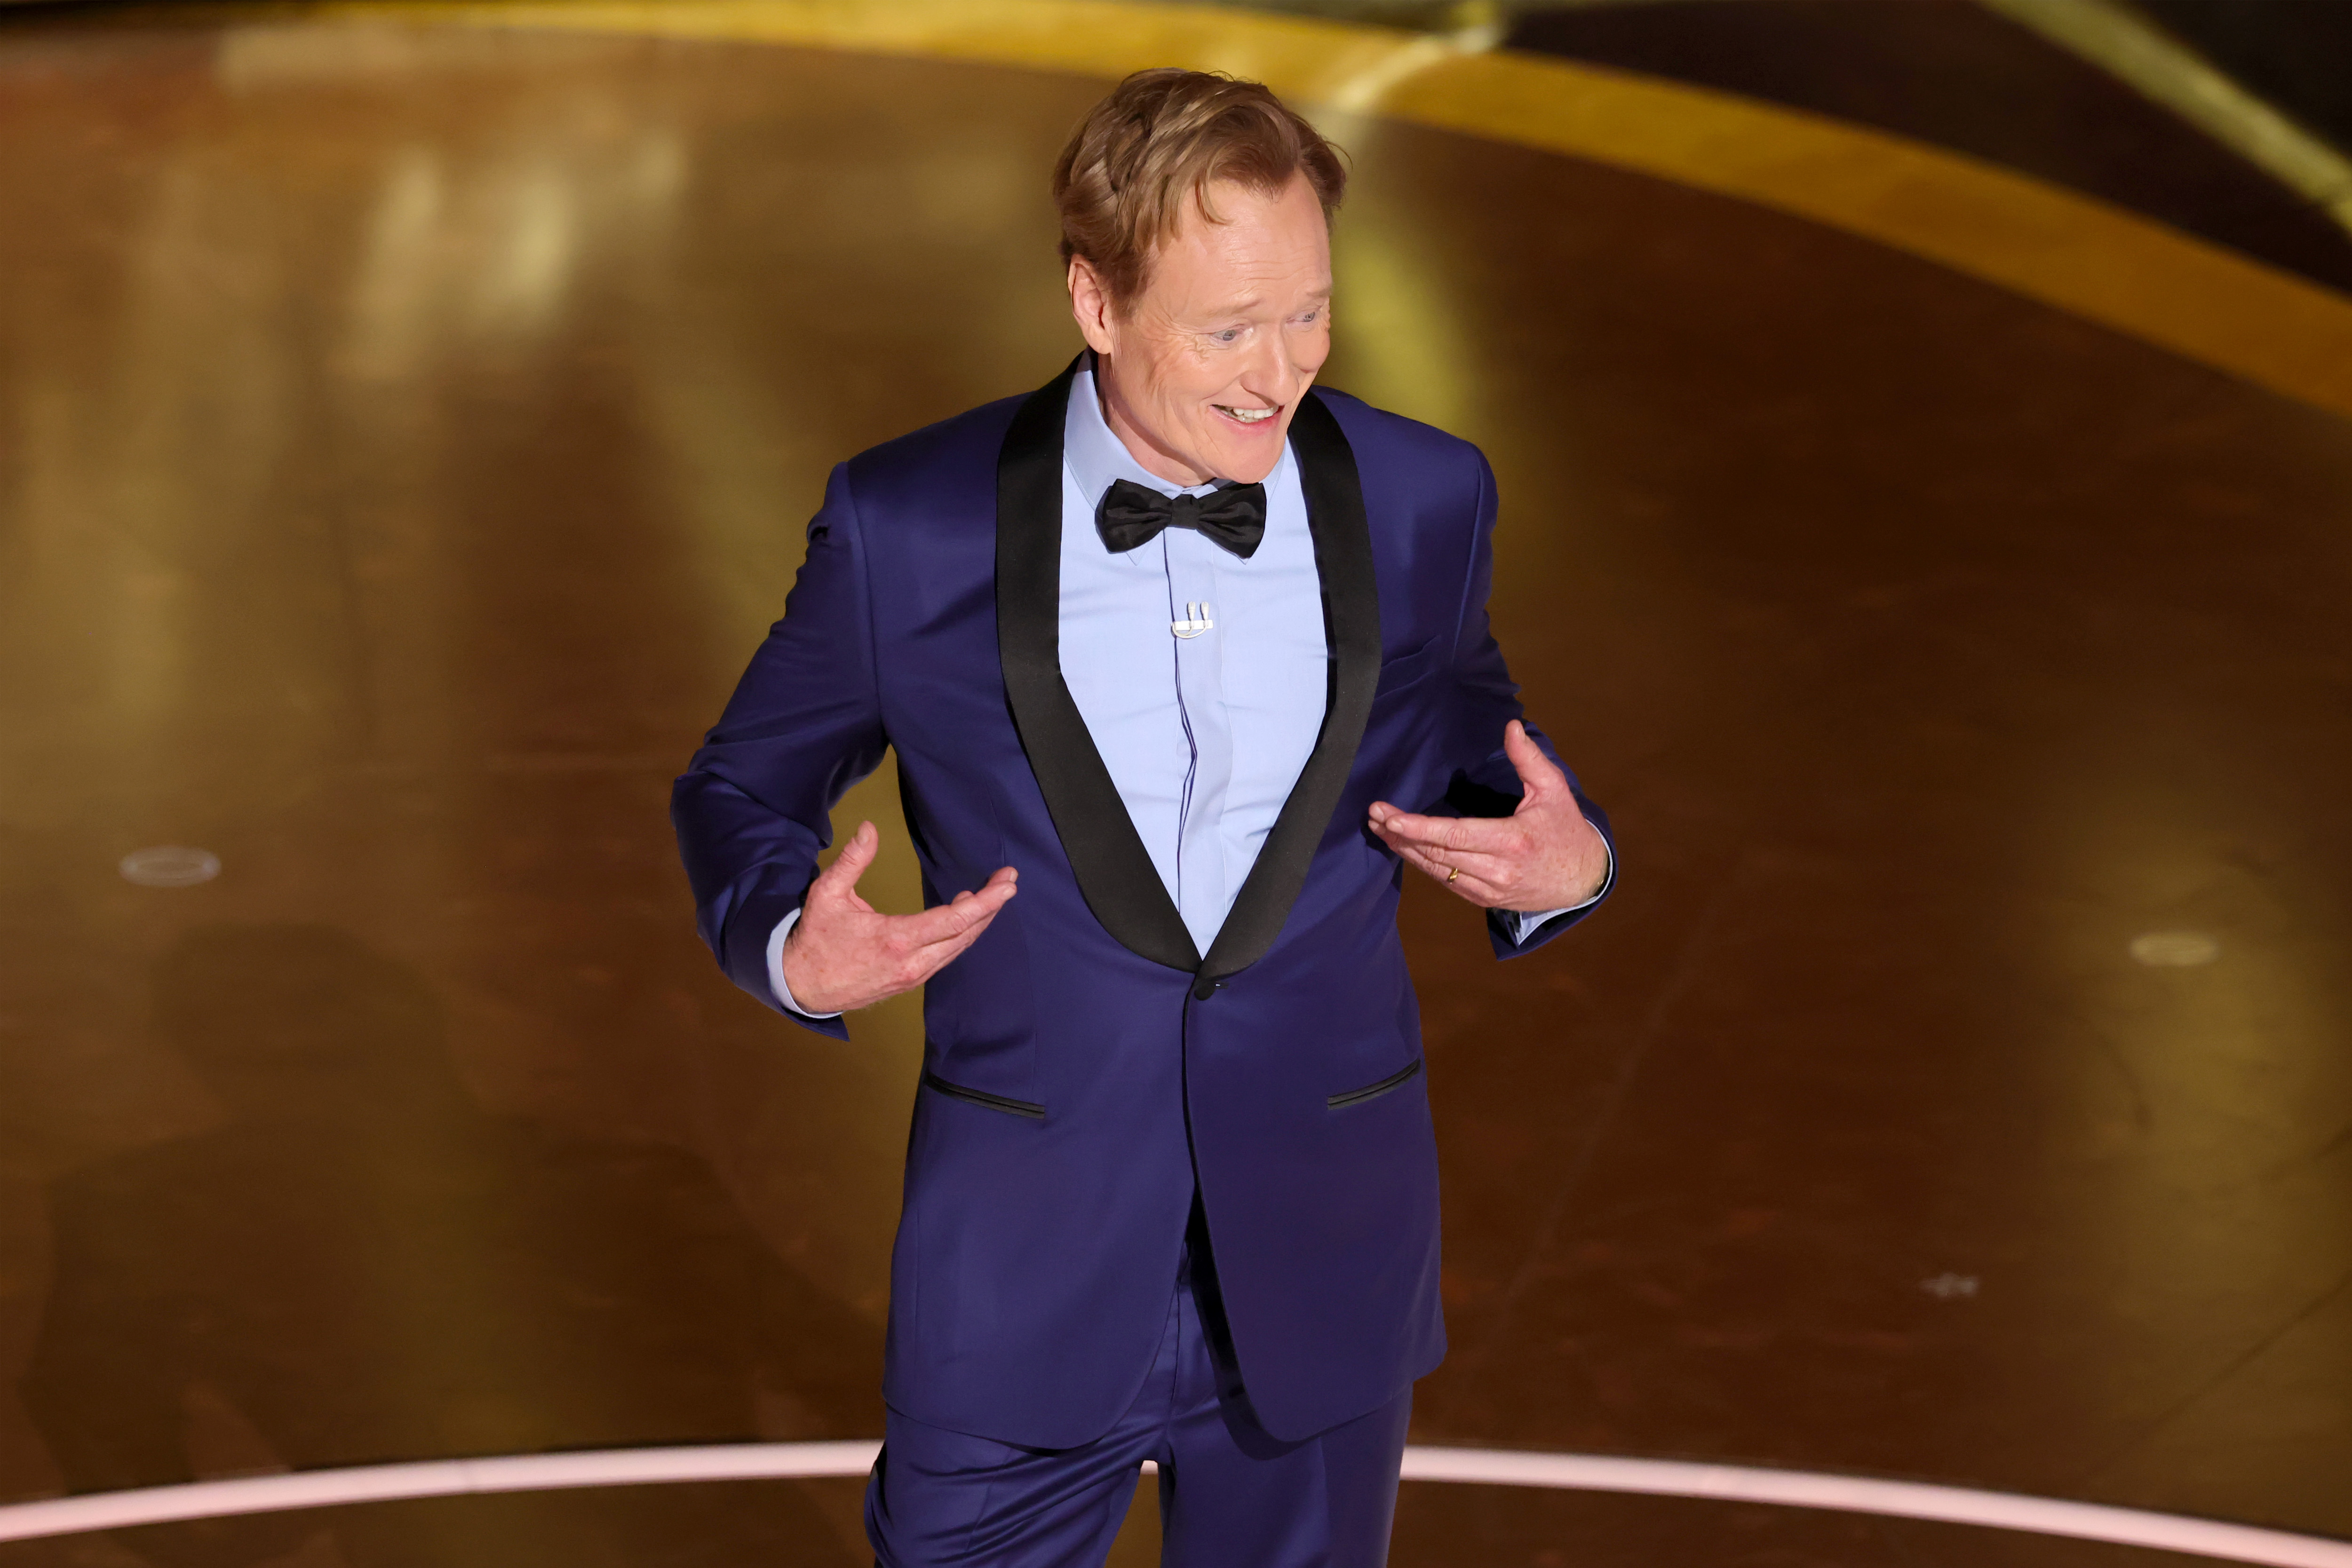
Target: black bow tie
1132, 515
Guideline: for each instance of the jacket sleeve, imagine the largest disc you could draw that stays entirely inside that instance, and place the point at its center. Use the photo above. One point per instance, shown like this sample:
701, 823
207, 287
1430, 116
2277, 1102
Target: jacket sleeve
753, 809
1484, 783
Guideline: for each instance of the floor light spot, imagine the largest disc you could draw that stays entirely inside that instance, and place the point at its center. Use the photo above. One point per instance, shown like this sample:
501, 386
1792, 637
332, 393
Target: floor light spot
1951, 1287
2175, 950
170, 865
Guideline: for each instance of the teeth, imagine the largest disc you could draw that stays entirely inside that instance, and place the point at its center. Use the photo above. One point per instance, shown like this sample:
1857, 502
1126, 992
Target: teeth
1248, 415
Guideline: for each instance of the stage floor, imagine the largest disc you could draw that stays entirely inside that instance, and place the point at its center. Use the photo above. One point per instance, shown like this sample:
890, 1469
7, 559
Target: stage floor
405, 435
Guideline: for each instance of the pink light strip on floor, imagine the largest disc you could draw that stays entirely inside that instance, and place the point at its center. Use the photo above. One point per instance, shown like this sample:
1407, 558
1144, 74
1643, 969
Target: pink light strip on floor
432, 1478
1898, 1500
1484, 1466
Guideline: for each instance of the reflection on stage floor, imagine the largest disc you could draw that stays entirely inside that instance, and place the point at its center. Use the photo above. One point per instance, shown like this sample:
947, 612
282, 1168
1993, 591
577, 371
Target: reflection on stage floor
404, 437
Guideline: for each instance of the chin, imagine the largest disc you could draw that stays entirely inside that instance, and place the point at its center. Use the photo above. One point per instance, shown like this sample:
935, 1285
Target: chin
1248, 458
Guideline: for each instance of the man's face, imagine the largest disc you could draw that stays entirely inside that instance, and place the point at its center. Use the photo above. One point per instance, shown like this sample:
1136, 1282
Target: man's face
1203, 371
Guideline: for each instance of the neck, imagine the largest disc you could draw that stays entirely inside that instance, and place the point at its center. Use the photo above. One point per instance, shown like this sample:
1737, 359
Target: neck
1155, 458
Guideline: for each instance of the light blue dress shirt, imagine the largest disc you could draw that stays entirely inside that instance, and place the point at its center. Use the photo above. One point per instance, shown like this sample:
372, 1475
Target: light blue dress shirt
1201, 675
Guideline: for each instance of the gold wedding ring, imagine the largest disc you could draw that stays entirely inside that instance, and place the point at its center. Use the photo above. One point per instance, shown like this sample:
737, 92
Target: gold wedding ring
1453, 874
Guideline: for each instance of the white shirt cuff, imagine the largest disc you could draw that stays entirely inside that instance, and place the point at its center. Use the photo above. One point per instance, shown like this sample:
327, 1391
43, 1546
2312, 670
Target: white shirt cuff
1524, 925
776, 968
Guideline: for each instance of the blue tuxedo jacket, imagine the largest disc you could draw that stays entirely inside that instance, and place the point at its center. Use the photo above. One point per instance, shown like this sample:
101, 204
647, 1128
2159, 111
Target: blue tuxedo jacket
1085, 1068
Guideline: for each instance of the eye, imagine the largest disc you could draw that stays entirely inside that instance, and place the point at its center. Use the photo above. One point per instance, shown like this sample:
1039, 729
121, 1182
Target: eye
1230, 335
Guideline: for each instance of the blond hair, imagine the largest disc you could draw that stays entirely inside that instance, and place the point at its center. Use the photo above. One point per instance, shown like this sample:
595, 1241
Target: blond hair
1159, 141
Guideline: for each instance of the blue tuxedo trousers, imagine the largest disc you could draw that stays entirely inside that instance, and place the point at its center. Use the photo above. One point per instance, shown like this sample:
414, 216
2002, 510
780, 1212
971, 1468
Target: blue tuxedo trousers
1231, 1496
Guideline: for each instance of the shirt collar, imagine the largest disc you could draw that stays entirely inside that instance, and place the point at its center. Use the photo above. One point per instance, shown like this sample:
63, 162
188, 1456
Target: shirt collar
1095, 455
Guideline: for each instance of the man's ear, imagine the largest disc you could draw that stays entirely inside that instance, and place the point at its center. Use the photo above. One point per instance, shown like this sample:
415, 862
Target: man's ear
1090, 304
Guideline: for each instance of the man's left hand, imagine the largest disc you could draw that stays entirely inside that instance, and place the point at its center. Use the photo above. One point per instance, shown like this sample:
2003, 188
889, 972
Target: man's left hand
1544, 855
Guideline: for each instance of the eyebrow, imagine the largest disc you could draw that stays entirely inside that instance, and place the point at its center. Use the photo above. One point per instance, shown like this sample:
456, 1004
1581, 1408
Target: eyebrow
1252, 301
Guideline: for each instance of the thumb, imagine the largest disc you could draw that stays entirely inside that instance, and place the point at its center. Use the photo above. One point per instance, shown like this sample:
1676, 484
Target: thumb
1540, 773
840, 878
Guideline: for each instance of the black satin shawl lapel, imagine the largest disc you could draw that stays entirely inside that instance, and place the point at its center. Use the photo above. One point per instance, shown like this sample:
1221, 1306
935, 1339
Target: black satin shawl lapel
1351, 625
1114, 870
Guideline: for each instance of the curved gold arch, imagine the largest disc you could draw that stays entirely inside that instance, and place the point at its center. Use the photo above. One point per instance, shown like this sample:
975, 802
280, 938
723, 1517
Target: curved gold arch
2083, 256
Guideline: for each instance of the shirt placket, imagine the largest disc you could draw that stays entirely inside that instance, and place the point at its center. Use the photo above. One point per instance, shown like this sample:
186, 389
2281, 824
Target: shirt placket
1196, 635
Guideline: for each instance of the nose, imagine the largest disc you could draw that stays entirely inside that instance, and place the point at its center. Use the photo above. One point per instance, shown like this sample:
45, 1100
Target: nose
1267, 373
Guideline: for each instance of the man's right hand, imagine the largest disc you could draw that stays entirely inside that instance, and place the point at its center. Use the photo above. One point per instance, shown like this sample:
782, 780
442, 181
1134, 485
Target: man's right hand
844, 954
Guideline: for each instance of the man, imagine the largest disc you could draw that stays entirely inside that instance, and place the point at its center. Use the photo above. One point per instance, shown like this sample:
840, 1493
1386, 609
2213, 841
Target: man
1194, 658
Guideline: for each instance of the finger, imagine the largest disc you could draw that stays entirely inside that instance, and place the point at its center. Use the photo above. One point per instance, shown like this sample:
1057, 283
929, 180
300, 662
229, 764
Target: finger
1481, 835
840, 878
1002, 883
990, 895
945, 922
1496, 873
1493, 868
931, 960
1422, 861
1466, 885
1407, 827
921, 963
1540, 775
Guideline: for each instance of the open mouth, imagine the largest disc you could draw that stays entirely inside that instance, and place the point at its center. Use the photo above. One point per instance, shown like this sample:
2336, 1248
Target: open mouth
1245, 415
